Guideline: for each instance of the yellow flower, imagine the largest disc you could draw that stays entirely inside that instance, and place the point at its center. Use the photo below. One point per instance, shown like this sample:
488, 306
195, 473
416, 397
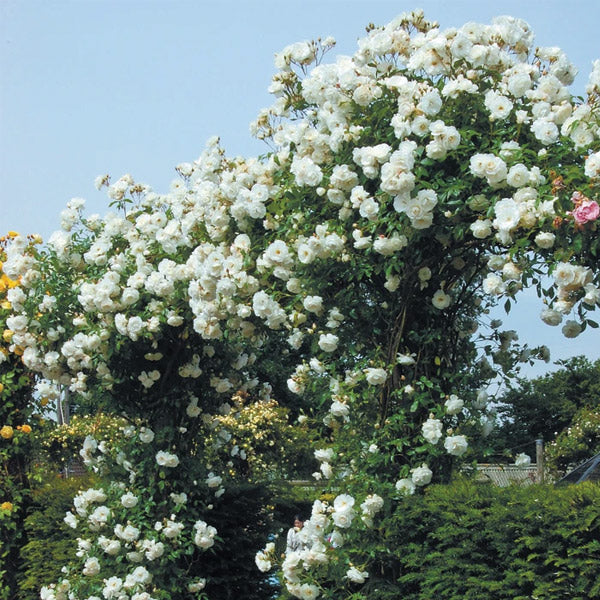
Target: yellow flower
7, 335
6, 506
26, 428
1, 387
13, 234
7, 432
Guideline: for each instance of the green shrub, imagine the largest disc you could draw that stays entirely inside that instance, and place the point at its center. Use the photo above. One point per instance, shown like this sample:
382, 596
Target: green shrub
50, 542
473, 541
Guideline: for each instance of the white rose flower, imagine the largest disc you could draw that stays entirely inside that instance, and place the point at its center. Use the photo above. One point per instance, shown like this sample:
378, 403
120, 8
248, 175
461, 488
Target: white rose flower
326, 469
441, 300
313, 304
510, 271
324, 454
456, 445
129, 533
343, 502
508, 214
545, 131
592, 165
518, 176
481, 228
146, 435
493, 284
112, 547
343, 518
91, 566
406, 486
592, 294
545, 239
432, 430
129, 500
339, 409
498, 105
71, 520
421, 475
376, 376
308, 591
551, 317
392, 283
405, 359
112, 587
295, 386
571, 329
213, 481
356, 576
328, 342
306, 171
454, 404
424, 274
166, 459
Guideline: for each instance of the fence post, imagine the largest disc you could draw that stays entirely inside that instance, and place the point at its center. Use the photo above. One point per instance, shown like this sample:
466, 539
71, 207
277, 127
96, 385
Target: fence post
539, 460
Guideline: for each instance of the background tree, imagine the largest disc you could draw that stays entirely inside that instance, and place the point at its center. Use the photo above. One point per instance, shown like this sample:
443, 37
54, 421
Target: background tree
576, 443
542, 408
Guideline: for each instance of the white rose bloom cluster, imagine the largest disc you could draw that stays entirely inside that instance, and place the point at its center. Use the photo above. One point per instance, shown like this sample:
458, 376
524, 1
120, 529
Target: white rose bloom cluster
323, 533
432, 430
376, 376
378, 187
454, 405
204, 535
264, 558
166, 459
456, 445
371, 505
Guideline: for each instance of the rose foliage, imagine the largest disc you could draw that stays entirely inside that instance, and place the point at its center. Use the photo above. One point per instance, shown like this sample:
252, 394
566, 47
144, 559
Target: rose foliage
408, 189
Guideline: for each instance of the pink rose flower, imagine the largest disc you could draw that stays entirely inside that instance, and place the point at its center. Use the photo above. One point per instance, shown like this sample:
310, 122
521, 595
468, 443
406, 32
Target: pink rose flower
585, 212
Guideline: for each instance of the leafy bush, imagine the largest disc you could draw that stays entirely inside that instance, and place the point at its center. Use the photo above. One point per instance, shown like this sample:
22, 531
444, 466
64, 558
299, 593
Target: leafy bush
255, 441
473, 541
50, 543
60, 444
576, 443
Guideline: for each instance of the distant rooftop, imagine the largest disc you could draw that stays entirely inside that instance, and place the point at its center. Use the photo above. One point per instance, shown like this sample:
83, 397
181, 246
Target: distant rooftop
505, 475
587, 471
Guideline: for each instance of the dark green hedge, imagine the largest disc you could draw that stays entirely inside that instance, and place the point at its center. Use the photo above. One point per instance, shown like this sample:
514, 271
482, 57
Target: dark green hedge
471, 541
464, 541
49, 543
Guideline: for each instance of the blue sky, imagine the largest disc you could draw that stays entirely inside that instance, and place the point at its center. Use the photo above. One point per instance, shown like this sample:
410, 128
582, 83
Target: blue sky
92, 87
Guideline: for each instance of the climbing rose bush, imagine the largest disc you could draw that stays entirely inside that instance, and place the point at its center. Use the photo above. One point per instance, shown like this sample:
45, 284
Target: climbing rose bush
409, 189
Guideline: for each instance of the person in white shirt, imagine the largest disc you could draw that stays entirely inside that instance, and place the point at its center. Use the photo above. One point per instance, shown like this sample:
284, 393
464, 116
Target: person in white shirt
294, 541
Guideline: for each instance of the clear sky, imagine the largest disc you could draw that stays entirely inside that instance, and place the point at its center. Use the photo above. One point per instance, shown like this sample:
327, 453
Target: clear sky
89, 87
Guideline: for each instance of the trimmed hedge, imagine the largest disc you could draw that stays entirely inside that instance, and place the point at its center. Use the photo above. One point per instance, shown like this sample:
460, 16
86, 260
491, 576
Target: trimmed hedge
470, 541
50, 544
463, 541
